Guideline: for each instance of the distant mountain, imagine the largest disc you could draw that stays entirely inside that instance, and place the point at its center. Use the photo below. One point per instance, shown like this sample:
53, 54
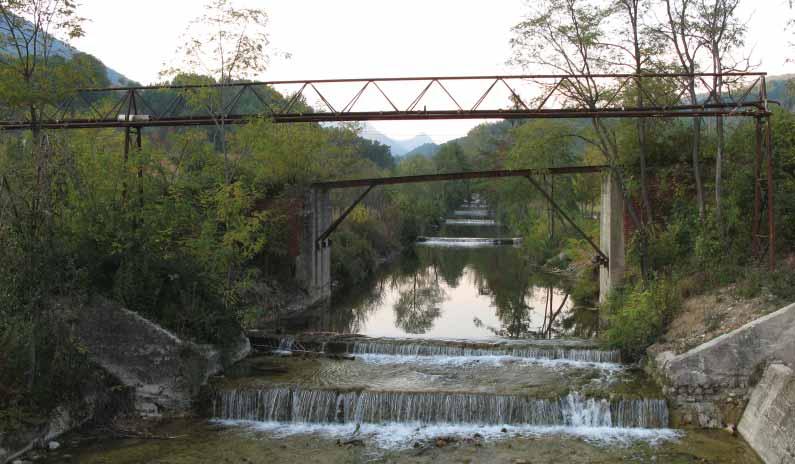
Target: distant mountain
63, 49
398, 147
427, 149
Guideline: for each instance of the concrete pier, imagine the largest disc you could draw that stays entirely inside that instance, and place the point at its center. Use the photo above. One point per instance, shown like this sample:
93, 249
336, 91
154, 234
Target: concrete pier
611, 235
313, 264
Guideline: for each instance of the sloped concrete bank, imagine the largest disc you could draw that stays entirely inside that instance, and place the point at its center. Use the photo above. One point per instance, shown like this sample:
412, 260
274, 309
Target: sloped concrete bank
143, 369
768, 423
710, 385
164, 371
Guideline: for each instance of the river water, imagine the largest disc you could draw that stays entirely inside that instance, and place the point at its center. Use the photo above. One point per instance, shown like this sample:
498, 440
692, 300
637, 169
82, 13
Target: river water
459, 351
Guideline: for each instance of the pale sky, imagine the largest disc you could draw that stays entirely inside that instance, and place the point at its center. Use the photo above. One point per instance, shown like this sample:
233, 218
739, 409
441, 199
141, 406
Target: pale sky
367, 38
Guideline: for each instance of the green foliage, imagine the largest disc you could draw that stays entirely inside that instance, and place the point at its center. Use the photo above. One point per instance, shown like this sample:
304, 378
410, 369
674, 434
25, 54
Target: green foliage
638, 316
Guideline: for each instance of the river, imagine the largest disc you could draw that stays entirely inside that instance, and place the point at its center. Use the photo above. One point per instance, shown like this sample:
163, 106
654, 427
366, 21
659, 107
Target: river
459, 351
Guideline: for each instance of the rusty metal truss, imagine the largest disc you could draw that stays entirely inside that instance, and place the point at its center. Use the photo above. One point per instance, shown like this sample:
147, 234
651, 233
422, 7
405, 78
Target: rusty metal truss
600, 257
403, 98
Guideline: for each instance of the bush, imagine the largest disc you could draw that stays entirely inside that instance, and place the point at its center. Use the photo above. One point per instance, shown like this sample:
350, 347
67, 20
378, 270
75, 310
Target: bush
638, 316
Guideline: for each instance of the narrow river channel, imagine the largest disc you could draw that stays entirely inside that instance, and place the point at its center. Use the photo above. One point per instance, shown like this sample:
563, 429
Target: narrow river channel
456, 352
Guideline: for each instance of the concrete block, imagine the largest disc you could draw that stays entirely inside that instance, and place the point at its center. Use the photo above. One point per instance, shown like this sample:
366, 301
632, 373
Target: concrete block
768, 423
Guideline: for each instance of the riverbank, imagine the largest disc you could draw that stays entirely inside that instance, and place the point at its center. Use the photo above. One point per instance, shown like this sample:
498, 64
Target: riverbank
132, 366
726, 363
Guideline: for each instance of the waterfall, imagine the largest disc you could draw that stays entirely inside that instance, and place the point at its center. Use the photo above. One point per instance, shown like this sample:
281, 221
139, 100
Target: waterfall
532, 352
471, 222
293, 404
467, 241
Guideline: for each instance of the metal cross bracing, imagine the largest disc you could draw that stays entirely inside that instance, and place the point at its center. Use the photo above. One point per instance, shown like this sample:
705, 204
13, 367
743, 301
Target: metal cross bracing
399, 98
600, 258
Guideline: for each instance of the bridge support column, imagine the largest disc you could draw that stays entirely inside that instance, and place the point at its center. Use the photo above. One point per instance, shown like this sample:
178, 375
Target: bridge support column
313, 266
611, 236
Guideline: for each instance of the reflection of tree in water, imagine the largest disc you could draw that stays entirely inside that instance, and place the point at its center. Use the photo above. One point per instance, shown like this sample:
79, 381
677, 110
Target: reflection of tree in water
418, 305
500, 272
347, 313
420, 293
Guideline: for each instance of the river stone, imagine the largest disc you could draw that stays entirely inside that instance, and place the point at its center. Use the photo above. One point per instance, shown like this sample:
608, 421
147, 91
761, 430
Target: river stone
768, 423
165, 371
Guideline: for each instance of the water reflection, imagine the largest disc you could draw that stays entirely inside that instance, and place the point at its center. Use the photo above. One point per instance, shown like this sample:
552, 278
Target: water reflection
477, 293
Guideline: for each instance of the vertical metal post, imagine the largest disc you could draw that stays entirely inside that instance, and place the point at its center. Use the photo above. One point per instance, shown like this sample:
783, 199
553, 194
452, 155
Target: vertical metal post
138, 146
551, 212
127, 141
757, 189
771, 208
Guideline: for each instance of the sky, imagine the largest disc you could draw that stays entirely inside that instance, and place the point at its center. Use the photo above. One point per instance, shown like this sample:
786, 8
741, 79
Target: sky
368, 38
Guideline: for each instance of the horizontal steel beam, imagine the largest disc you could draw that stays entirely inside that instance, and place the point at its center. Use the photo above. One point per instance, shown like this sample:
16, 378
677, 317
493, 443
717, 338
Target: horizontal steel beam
376, 116
436, 78
175, 105
341, 184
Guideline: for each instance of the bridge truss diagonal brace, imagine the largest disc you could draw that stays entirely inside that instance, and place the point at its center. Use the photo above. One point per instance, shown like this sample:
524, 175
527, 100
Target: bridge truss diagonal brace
600, 257
327, 233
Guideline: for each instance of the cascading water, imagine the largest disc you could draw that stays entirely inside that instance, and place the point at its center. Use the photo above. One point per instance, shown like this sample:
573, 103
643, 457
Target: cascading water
471, 222
469, 242
454, 373
531, 352
293, 404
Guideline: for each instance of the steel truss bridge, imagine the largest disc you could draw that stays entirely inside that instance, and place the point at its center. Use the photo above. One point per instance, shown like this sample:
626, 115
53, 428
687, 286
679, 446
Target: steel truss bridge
399, 98
530, 96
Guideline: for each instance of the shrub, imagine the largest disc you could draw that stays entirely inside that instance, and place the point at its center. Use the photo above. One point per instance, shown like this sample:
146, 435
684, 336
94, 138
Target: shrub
638, 316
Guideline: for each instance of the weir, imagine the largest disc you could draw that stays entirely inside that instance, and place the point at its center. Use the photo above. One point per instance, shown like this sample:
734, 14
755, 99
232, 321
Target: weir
518, 351
294, 404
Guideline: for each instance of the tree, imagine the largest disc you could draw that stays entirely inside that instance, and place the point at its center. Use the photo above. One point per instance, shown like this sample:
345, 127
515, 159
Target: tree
720, 32
638, 50
228, 44
569, 37
679, 30
32, 77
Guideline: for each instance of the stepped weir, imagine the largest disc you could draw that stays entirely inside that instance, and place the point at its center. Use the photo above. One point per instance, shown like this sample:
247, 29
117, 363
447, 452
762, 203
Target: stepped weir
294, 404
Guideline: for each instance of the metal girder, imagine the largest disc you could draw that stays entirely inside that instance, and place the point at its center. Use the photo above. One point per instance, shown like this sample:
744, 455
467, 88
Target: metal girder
537, 96
339, 184
526, 173
602, 257
325, 235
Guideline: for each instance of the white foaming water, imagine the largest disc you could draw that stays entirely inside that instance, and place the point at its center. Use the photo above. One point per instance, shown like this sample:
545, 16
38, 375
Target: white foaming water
298, 405
404, 435
466, 242
471, 222
414, 350
472, 213
490, 360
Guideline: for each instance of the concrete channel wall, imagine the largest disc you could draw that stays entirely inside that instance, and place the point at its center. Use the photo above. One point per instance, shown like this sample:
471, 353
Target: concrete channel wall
710, 384
768, 423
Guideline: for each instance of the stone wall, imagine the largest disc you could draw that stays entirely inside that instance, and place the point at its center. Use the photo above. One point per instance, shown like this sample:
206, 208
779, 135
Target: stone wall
709, 385
768, 423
